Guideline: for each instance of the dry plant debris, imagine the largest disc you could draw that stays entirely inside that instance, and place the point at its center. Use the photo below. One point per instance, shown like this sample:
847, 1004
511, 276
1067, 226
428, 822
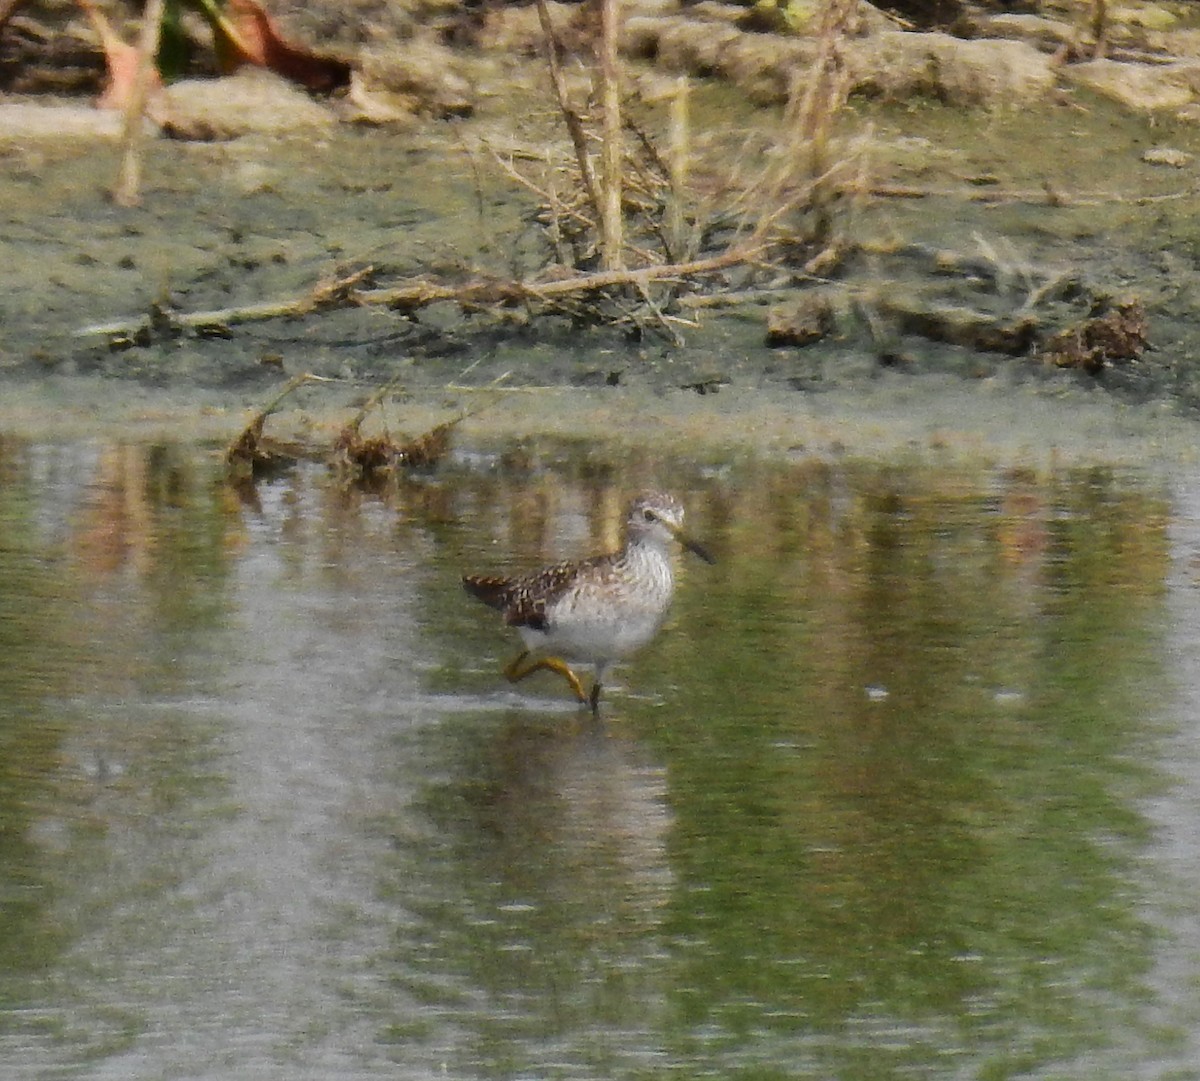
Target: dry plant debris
1114, 331
808, 319
356, 457
1012, 335
627, 233
252, 454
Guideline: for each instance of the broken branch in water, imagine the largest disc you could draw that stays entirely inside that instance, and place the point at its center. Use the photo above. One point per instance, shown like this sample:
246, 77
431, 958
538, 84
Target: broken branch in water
361, 456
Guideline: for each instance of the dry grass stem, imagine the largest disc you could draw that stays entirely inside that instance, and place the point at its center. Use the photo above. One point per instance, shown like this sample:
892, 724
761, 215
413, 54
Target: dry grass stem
612, 221
127, 190
678, 164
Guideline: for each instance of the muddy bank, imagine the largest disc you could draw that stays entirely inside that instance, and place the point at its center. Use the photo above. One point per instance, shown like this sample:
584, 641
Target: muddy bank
267, 217
1071, 190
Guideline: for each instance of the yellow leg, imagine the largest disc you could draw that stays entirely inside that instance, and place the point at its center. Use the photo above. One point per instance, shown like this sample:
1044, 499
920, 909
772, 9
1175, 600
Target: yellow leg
518, 669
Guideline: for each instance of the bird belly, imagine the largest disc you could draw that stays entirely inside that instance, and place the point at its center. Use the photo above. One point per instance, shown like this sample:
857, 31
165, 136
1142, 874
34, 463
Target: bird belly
594, 639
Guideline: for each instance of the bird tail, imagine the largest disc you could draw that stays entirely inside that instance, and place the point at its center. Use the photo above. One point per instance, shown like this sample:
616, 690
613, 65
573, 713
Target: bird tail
494, 592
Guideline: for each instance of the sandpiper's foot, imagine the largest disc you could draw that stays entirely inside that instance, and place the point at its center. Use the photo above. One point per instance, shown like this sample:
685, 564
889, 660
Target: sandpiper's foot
521, 667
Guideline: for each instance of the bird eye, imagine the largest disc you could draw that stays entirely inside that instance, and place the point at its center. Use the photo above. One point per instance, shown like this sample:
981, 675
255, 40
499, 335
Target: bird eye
648, 515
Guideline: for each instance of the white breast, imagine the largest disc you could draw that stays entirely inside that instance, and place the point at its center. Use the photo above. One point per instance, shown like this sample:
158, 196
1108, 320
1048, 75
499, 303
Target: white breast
607, 619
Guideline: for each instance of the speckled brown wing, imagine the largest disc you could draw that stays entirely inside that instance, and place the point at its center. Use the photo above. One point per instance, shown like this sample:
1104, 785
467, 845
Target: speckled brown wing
534, 593
524, 600
495, 592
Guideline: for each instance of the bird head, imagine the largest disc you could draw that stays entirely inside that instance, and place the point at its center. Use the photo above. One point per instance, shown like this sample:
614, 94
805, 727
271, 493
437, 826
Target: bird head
658, 518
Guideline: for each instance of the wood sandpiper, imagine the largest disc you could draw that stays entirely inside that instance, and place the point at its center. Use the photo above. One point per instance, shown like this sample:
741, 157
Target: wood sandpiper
594, 611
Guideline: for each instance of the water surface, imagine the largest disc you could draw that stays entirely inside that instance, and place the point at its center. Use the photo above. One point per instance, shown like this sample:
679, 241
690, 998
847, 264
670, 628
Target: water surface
906, 788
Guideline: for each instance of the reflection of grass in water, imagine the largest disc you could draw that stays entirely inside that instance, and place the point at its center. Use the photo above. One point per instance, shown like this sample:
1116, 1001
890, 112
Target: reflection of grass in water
143, 550
34, 632
792, 876
944, 855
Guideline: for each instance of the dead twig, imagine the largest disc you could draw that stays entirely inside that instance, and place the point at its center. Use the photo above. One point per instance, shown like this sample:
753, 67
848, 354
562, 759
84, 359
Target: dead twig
570, 116
815, 100
474, 295
1044, 196
556, 207
142, 329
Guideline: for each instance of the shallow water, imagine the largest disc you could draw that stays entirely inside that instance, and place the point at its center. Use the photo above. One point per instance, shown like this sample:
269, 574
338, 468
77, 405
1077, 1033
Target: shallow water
906, 788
